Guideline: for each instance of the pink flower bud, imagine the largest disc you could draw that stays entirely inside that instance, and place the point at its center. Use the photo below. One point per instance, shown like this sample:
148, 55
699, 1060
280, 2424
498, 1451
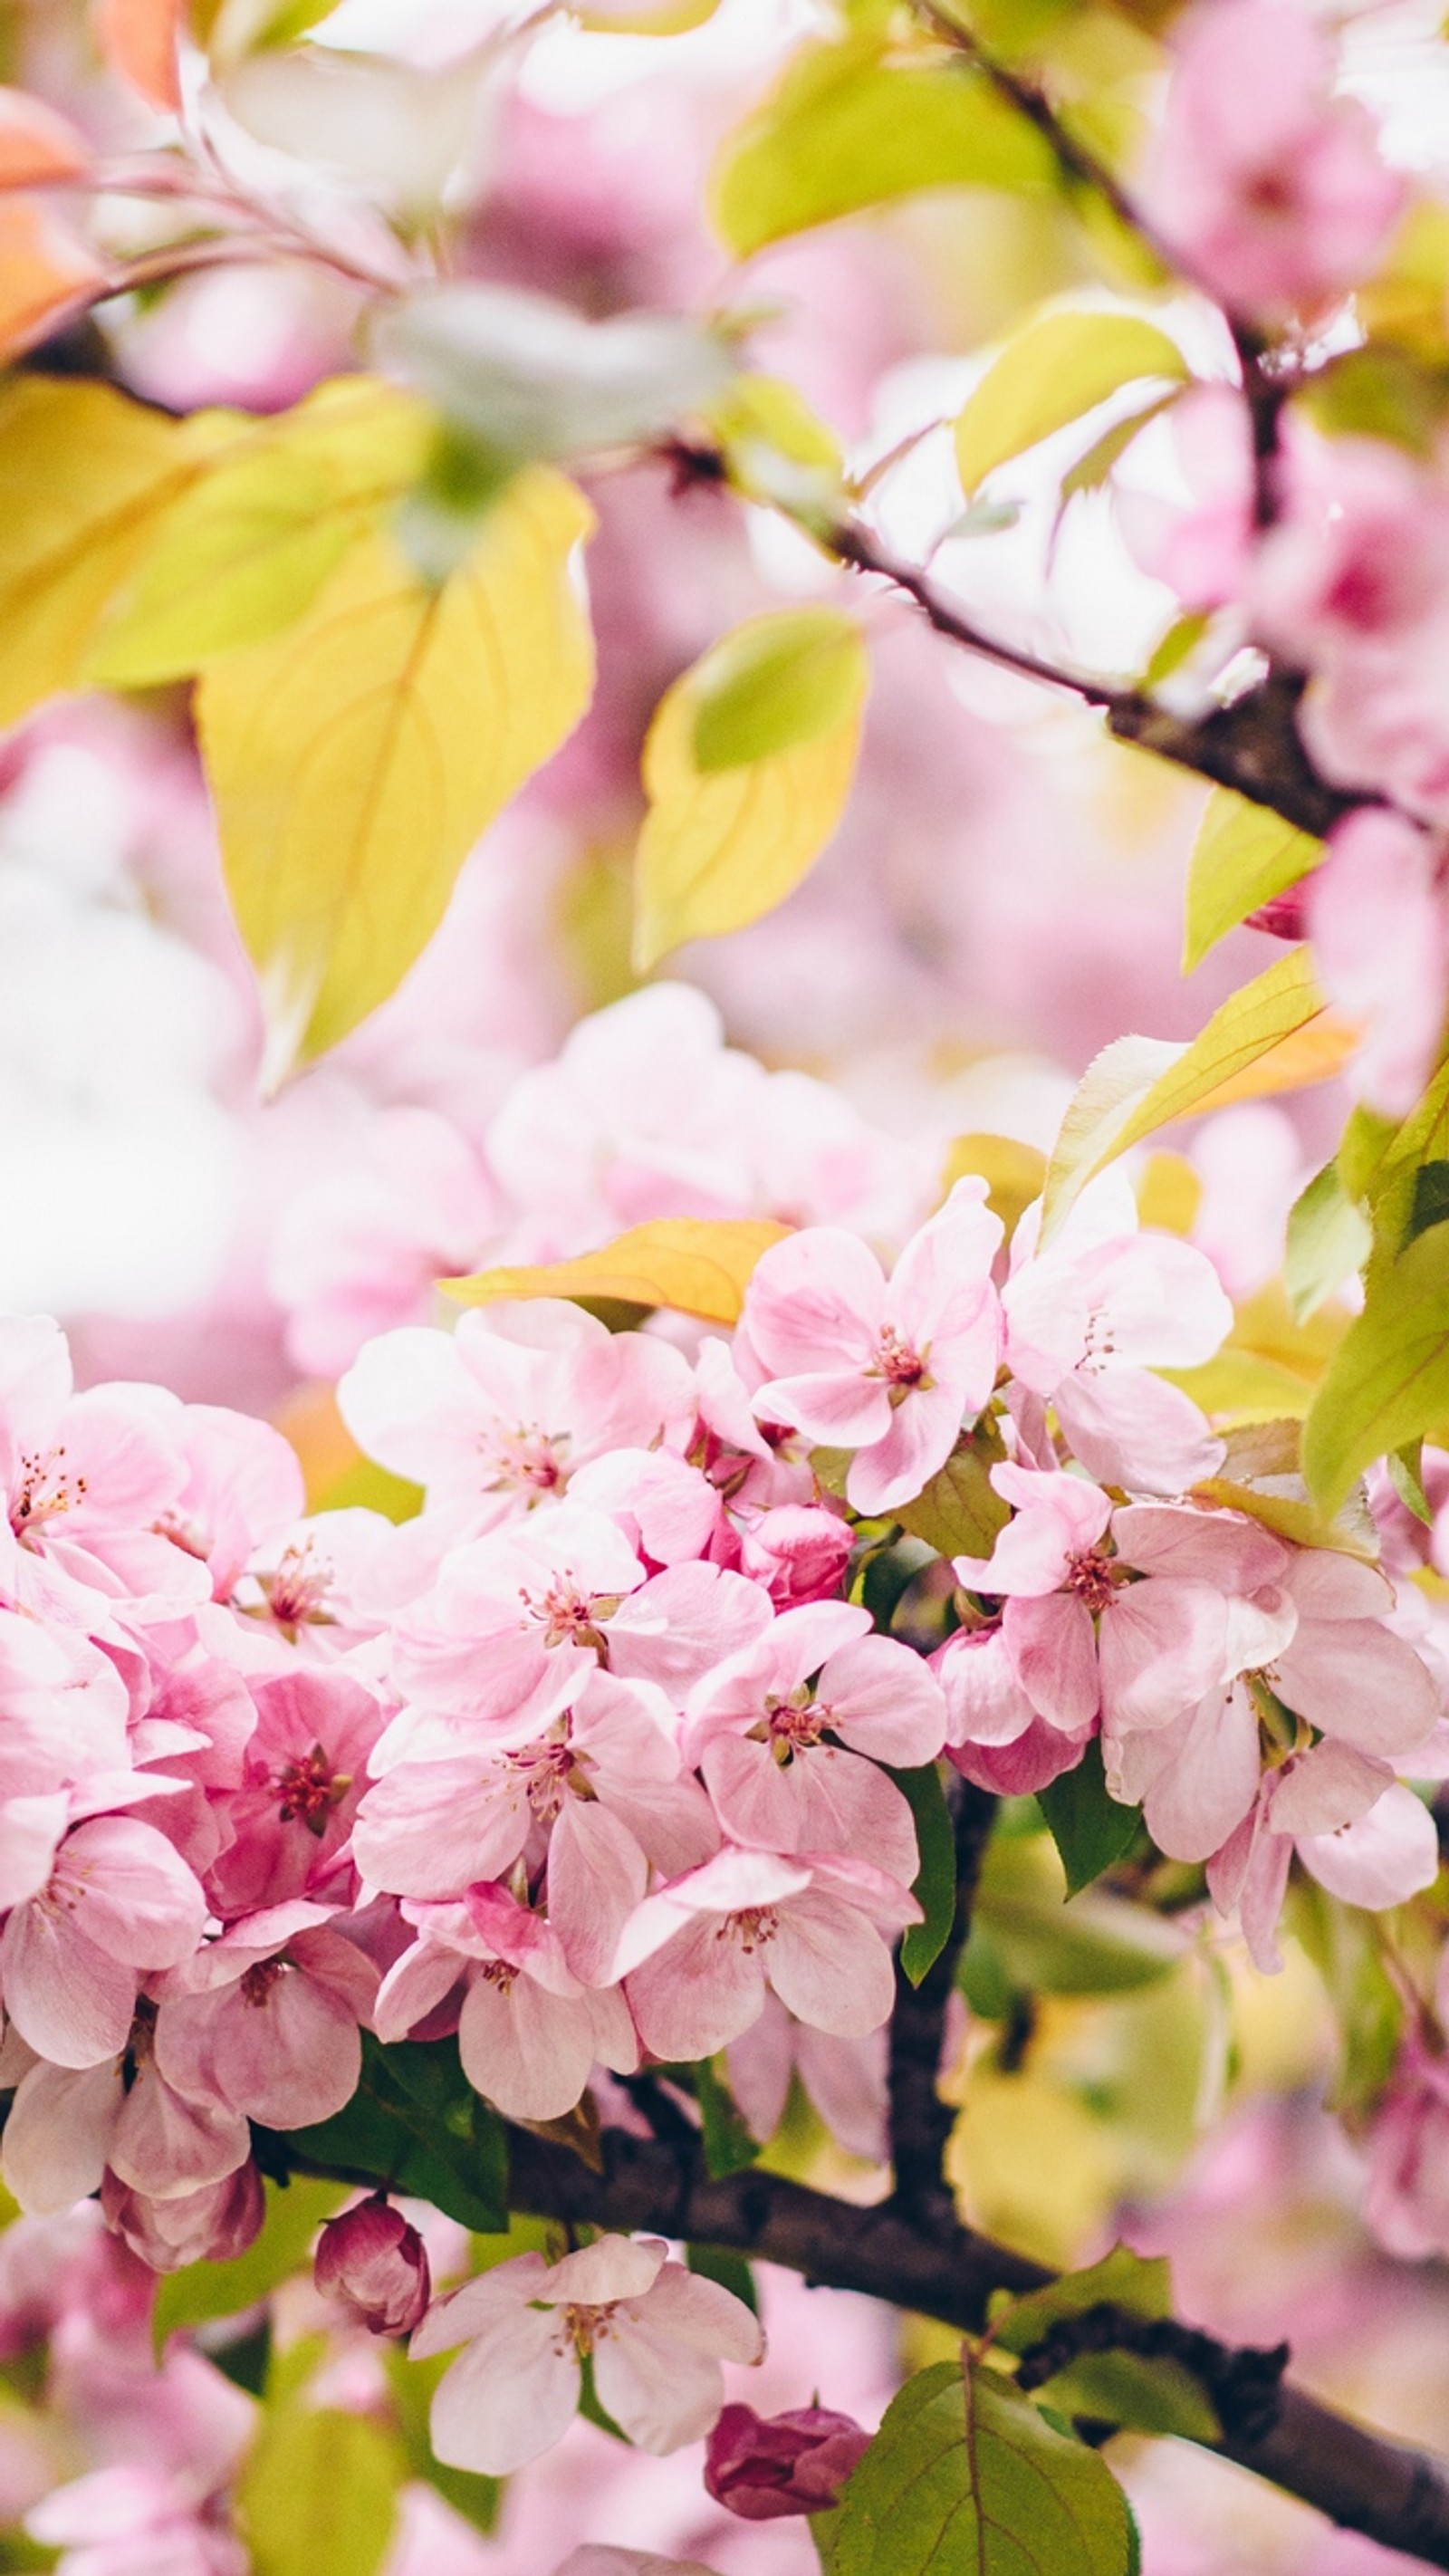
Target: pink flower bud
764, 2466
798, 1552
212, 2225
375, 2264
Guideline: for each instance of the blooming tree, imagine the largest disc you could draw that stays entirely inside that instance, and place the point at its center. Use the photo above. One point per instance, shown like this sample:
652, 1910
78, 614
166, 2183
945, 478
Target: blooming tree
537, 1819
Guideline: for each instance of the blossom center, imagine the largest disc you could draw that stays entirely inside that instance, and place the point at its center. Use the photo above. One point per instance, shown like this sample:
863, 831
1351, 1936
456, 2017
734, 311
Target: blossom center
297, 1590
46, 1488
1093, 1577
310, 1789
258, 1980
527, 1458
897, 1360
754, 1927
569, 1616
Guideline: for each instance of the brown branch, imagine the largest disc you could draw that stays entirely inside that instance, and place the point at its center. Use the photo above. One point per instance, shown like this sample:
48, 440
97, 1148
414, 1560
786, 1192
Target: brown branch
921, 2123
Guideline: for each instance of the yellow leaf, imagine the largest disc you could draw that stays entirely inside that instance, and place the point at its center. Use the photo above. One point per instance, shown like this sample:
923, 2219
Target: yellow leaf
1137, 1085
1060, 366
356, 758
84, 477
698, 1265
724, 844
1242, 857
245, 549
45, 276
1013, 1172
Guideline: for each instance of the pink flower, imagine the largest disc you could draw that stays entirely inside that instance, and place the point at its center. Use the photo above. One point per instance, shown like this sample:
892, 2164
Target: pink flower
375, 2265
700, 1955
118, 1903
212, 2225
845, 2080
69, 2127
655, 2333
762, 2467
303, 1778
265, 2019
1272, 190
1092, 1315
798, 1551
890, 1368
755, 1727
1361, 1835
1378, 916
135, 2522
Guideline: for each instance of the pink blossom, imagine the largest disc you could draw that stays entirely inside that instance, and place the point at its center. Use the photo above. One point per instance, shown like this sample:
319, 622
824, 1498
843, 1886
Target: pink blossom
1361, 1835
265, 2019
302, 1781
374, 2263
890, 1368
755, 1726
1271, 190
764, 2467
655, 2333
798, 1551
1378, 916
69, 2127
118, 1903
699, 1955
125, 2521
845, 2079
497, 1417
212, 2225
1091, 1316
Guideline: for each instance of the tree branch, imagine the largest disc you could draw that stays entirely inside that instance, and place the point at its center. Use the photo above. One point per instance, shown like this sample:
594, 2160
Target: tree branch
921, 2123
1384, 2489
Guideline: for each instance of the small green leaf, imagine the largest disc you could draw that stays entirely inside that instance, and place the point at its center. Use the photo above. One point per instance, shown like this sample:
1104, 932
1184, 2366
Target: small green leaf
935, 1884
1171, 650
1140, 2283
318, 2494
966, 2478
777, 681
845, 128
295, 2211
1388, 1380
475, 2497
1144, 2396
412, 2128
1406, 1475
729, 2144
1097, 1945
1329, 1238
1056, 368
731, 2271
1091, 1829
1243, 856
959, 1511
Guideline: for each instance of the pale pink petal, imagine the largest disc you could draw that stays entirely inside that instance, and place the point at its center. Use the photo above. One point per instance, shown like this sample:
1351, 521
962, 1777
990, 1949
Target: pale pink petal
883, 1700
1131, 1429
1053, 1653
526, 2051
1210, 1781
918, 1438
985, 1702
697, 1994
432, 1828
1356, 1680
596, 1876
1384, 1858
58, 2134
72, 2001
830, 1967
1163, 1647
815, 1302
698, 2312
506, 2399
658, 2393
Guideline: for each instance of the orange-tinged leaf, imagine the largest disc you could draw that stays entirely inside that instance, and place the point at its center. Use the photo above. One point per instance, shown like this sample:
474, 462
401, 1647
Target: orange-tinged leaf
698, 1265
139, 40
44, 275
36, 145
1314, 1053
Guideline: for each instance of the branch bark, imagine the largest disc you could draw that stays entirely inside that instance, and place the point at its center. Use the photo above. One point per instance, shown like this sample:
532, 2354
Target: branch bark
921, 2123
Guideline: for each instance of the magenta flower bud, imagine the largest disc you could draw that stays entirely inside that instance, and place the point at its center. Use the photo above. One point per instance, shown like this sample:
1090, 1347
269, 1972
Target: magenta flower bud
375, 2264
1284, 916
762, 2467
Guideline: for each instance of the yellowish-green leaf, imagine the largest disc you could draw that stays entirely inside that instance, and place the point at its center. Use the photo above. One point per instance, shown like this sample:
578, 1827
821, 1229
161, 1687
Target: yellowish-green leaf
721, 846
777, 681
318, 2494
245, 550
1137, 1085
1243, 856
958, 1511
1389, 1378
1092, 470
966, 2478
1013, 1173
848, 127
698, 1265
775, 446
1156, 2396
1329, 1238
356, 758
86, 476
1059, 366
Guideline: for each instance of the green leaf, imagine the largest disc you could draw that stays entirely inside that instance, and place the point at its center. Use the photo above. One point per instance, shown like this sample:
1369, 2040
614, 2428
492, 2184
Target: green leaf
780, 680
847, 128
295, 2212
1406, 1475
421, 2131
731, 2271
729, 2143
1329, 1238
356, 758
1091, 1830
1389, 1378
244, 551
1056, 368
318, 2494
966, 2478
722, 846
1243, 856
1091, 471
935, 1882
958, 1511
1144, 2396
477, 2498
1262, 1039
1096, 1945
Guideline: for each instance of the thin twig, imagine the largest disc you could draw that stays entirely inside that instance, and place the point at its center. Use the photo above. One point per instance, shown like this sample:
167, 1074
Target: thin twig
921, 2123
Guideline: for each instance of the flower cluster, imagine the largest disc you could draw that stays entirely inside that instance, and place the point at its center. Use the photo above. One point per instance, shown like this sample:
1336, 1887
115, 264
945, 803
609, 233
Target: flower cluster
590, 1762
